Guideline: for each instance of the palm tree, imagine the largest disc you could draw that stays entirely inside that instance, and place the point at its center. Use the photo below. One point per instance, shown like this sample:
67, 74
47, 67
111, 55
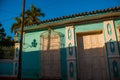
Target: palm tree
33, 14
16, 24
31, 17
2, 33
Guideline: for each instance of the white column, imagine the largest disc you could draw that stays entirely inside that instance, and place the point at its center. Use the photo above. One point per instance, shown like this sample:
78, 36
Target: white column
16, 55
71, 56
110, 36
112, 49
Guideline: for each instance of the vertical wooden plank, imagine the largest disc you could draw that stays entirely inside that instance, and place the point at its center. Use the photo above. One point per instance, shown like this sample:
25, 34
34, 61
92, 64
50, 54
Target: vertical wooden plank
92, 62
51, 57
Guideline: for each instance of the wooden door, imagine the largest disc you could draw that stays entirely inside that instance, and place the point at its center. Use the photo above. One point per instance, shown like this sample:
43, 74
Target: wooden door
92, 64
50, 57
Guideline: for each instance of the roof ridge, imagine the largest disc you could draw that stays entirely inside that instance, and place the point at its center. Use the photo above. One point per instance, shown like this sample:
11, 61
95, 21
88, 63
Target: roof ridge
113, 9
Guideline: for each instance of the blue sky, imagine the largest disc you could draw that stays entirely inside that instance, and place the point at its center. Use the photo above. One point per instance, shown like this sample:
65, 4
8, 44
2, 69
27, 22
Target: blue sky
52, 8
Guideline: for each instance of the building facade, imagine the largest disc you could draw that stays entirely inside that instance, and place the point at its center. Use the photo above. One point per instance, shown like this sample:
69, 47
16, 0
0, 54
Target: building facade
84, 46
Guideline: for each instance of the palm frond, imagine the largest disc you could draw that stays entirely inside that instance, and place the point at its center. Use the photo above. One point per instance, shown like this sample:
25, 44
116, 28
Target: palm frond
31, 17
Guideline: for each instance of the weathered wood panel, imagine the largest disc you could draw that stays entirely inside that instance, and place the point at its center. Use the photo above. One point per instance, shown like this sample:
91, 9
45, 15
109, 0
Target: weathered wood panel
92, 62
50, 57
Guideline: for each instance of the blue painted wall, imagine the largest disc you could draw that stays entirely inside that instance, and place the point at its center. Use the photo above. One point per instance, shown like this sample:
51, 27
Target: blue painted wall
89, 27
31, 64
31, 57
6, 68
31, 67
117, 25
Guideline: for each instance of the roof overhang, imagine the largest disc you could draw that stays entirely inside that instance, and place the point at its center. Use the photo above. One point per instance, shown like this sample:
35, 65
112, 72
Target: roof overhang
75, 21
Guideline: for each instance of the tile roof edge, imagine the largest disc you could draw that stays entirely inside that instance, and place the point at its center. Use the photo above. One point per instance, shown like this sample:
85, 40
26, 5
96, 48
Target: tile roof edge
113, 9
80, 20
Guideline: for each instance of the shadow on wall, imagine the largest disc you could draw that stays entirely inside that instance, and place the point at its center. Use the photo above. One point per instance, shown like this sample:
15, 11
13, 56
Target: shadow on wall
91, 61
97, 60
50, 59
94, 62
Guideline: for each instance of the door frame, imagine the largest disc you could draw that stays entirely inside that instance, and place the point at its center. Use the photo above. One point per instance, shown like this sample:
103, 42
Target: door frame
91, 32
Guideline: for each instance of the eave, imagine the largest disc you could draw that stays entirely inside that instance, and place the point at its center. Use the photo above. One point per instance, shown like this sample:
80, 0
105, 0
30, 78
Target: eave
75, 21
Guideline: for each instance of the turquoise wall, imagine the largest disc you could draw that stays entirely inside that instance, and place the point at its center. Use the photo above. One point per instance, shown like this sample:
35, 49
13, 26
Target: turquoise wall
31, 64
6, 68
98, 26
86, 28
117, 25
89, 27
63, 53
31, 55
31, 67
116, 62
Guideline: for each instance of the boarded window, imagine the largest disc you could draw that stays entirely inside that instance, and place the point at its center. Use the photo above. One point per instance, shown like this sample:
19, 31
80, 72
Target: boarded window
91, 57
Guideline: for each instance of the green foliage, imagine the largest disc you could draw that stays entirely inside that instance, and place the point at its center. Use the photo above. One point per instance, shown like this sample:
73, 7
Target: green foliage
31, 16
5, 40
6, 45
2, 33
6, 52
16, 24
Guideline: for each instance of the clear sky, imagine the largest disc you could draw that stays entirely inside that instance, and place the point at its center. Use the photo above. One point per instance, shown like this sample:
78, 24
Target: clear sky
52, 8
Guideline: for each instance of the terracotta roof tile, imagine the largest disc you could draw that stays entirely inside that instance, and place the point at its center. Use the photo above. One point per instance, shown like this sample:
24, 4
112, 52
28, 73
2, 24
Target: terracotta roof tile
114, 9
